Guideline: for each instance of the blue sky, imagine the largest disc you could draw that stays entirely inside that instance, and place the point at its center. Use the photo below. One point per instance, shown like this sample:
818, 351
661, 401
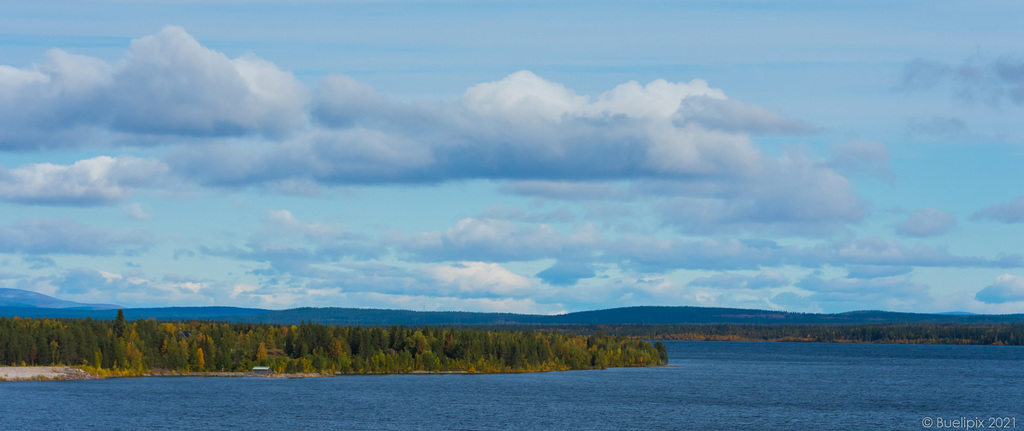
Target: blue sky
537, 157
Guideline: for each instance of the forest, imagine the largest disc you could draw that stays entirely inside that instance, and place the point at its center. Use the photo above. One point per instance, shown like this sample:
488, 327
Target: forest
893, 333
123, 348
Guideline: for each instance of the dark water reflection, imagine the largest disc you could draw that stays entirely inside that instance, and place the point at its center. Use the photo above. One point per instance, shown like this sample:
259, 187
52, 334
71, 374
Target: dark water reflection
709, 385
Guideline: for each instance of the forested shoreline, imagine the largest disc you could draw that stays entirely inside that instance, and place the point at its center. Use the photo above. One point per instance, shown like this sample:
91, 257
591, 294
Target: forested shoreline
122, 348
894, 333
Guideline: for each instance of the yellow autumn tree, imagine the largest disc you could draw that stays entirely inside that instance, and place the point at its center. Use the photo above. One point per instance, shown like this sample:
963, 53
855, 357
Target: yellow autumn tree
261, 352
200, 360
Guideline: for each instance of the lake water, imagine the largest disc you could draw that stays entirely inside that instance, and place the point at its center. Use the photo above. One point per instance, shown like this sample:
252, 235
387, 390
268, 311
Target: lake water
708, 385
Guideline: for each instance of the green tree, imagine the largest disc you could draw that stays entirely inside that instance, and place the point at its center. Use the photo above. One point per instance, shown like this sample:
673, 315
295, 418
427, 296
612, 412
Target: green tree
120, 327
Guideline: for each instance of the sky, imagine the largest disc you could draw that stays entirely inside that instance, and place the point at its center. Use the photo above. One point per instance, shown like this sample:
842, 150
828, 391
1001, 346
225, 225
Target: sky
528, 157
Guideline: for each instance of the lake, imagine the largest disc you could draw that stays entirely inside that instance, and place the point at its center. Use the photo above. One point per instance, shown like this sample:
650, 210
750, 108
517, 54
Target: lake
708, 385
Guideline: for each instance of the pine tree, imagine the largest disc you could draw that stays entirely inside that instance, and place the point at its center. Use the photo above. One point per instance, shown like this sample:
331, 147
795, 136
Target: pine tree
119, 326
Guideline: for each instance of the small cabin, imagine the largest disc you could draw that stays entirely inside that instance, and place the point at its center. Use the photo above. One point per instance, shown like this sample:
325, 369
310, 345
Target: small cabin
261, 370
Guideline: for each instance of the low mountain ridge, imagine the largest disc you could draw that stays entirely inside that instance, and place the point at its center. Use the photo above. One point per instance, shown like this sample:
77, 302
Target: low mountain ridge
23, 303
28, 299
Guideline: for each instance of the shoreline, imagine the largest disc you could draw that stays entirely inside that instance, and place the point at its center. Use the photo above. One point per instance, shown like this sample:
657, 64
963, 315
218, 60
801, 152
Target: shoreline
38, 373
61, 372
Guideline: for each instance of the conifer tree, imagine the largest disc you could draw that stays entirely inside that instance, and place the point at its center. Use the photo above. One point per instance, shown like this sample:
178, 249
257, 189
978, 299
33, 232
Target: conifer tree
119, 326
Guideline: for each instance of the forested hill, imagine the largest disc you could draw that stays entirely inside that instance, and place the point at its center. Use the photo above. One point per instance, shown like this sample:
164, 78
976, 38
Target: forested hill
614, 316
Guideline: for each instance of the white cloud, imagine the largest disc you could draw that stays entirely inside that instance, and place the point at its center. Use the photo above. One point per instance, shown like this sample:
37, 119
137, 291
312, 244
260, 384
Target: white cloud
523, 96
658, 98
168, 84
1007, 288
171, 84
545, 136
241, 288
95, 181
475, 278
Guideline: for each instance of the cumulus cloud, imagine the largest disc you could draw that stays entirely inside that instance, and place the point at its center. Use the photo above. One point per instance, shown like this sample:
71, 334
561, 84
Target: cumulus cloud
167, 84
170, 84
1012, 212
519, 128
547, 139
526, 127
523, 96
1007, 288
926, 222
69, 237
96, 181
481, 278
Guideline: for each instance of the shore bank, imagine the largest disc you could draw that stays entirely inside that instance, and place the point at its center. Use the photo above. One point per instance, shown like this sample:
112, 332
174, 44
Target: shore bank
44, 373
27, 373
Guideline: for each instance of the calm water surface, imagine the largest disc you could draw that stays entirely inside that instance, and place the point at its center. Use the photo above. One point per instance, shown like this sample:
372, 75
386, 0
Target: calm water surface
709, 385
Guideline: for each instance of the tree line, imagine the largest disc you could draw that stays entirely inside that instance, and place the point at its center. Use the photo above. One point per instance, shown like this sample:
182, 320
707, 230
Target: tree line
119, 347
895, 333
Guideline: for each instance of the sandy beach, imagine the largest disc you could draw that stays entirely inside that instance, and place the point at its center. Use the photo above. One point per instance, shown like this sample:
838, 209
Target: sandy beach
48, 373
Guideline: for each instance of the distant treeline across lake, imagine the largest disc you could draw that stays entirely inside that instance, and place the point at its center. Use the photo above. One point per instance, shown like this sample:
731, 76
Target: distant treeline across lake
893, 333
119, 347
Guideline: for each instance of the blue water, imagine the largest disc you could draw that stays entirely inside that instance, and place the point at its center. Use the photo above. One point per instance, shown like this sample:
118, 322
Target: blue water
708, 385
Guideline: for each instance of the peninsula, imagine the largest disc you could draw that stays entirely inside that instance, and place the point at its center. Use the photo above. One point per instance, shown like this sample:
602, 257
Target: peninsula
149, 347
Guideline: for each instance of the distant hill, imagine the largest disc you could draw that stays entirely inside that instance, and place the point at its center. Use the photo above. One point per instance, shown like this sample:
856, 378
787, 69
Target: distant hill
165, 313
613, 316
27, 299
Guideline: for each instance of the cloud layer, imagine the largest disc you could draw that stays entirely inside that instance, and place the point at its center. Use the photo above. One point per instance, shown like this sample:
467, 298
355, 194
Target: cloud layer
649, 192
687, 141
